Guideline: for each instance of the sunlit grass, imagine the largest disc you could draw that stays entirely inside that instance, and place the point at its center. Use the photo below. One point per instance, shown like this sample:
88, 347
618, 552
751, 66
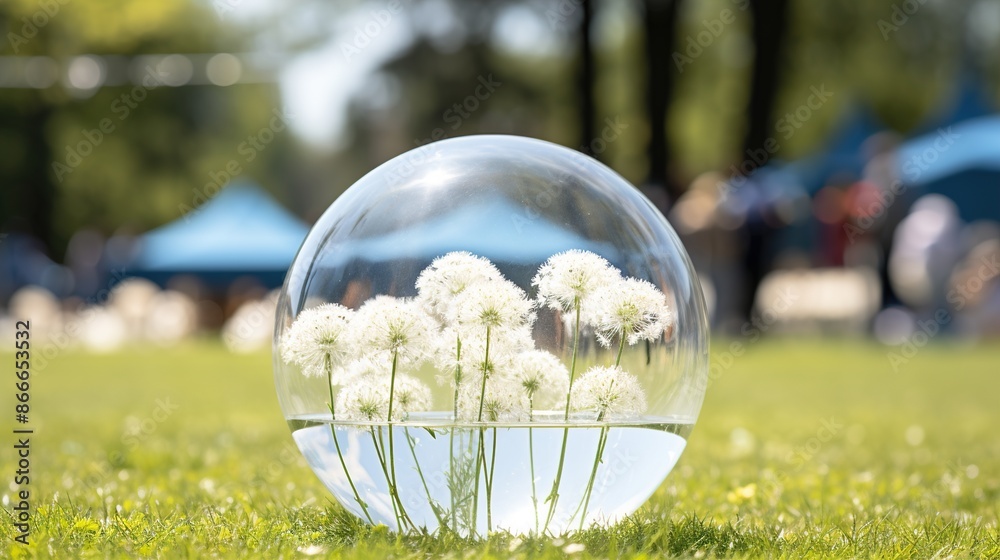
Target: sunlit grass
803, 449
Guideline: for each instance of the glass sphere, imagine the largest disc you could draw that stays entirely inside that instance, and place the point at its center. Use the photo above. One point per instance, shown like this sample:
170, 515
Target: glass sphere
491, 333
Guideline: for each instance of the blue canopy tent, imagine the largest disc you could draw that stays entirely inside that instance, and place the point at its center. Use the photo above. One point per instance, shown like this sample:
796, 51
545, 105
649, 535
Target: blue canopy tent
495, 223
842, 153
515, 242
963, 164
242, 232
970, 101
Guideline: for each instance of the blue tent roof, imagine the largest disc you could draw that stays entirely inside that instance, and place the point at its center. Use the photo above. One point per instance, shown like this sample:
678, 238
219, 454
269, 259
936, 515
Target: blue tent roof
961, 162
242, 231
842, 153
969, 101
972, 144
483, 229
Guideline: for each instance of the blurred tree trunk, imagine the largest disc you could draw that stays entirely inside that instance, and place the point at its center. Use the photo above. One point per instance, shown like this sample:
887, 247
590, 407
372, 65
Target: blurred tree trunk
770, 18
585, 76
661, 31
30, 193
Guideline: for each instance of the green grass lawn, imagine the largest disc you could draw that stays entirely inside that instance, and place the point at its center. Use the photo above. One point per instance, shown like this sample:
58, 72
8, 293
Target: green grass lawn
803, 449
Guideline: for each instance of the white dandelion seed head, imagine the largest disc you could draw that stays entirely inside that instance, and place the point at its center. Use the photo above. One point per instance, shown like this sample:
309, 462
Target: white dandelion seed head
610, 392
476, 365
542, 377
366, 398
571, 277
410, 395
372, 365
502, 400
385, 325
448, 276
499, 305
317, 339
630, 308
446, 356
458, 360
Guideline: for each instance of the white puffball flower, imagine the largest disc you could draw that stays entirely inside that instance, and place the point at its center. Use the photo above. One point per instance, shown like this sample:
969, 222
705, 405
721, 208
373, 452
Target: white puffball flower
505, 344
365, 366
610, 392
543, 378
498, 305
631, 308
385, 326
476, 365
501, 402
446, 356
317, 339
410, 395
366, 398
570, 278
448, 276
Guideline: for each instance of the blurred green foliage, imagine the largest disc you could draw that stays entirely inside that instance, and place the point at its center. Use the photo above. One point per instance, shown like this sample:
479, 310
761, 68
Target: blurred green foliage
159, 146
903, 75
162, 155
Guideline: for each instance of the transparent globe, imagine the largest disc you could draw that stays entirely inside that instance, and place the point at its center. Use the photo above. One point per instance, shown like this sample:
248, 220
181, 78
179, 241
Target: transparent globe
491, 333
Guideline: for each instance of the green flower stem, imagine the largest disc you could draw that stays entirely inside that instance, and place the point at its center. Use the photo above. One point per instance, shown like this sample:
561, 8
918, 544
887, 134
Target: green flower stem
458, 373
621, 349
486, 365
336, 443
392, 385
475, 494
489, 482
471, 515
553, 497
381, 461
601, 442
576, 347
451, 432
394, 488
442, 521
531, 459
481, 456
